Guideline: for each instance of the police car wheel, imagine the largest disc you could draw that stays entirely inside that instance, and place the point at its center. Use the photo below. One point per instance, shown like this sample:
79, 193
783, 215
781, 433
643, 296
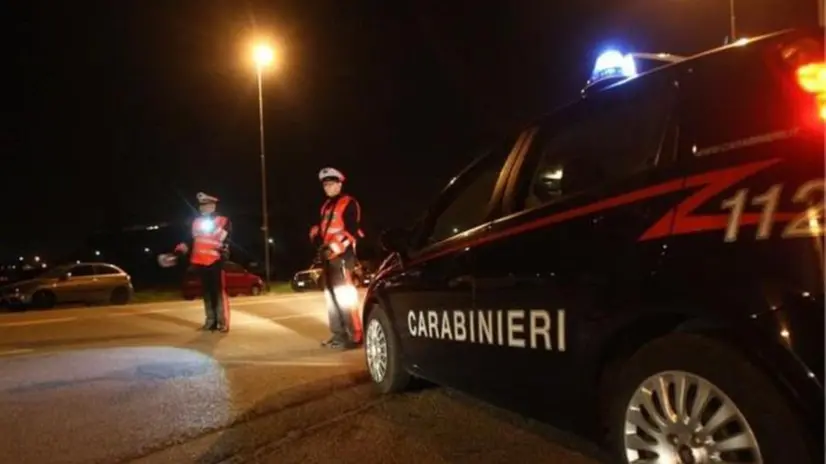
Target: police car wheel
686, 398
384, 359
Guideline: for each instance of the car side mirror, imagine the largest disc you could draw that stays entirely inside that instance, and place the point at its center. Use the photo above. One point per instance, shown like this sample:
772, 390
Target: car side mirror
395, 240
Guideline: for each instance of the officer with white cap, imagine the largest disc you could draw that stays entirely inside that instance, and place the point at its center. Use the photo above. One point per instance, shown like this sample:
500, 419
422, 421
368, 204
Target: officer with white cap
335, 236
210, 247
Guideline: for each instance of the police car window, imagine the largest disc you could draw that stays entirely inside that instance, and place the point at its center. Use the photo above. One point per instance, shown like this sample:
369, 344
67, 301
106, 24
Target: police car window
606, 143
470, 204
82, 270
752, 103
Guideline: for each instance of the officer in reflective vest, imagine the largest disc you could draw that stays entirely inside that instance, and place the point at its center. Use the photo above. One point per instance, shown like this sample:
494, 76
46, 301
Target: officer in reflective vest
210, 247
336, 236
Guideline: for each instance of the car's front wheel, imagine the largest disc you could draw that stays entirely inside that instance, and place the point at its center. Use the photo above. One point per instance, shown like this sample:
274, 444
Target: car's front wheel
43, 299
295, 287
119, 296
689, 399
383, 353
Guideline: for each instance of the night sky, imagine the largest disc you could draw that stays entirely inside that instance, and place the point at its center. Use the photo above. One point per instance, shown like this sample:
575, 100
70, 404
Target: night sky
120, 111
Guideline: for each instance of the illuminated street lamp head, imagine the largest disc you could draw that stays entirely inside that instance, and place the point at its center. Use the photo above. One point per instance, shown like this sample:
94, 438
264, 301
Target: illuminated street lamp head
263, 55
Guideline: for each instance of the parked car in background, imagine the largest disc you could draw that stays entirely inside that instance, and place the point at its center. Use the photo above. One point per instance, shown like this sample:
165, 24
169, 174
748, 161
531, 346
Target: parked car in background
308, 279
362, 275
239, 281
71, 283
311, 279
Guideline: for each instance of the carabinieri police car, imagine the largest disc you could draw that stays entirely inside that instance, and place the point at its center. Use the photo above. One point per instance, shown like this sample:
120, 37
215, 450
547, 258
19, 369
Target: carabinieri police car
645, 264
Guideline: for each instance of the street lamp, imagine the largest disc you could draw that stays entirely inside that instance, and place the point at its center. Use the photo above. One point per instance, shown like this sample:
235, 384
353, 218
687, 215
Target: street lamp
732, 21
263, 55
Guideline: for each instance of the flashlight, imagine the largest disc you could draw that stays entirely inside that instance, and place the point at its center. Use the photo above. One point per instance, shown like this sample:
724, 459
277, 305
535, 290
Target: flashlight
206, 225
346, 296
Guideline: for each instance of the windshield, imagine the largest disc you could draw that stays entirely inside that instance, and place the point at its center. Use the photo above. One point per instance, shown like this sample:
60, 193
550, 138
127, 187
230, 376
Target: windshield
54, 272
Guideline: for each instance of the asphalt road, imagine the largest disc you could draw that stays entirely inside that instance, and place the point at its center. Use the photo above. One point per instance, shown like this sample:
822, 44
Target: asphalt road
140, 384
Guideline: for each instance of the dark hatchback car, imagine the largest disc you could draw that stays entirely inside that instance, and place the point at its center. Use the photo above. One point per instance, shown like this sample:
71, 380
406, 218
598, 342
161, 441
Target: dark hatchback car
308, 279
311, 279
645, 264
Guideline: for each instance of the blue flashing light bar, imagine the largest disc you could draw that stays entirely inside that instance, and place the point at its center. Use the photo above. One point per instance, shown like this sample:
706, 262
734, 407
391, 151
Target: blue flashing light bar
613, 64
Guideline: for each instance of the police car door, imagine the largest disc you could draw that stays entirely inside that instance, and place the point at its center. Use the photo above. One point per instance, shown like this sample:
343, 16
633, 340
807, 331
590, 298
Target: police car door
562, 265
433, 296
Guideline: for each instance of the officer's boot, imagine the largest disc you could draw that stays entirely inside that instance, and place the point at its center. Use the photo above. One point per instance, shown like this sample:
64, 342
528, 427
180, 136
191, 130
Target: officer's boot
335, 342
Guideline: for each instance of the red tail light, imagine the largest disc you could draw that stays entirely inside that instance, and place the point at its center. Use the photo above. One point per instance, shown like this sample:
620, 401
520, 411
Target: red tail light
804, 57
812, 79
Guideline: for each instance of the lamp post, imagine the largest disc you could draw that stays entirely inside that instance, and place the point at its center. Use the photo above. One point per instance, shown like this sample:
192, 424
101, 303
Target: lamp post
263, 56
732, 20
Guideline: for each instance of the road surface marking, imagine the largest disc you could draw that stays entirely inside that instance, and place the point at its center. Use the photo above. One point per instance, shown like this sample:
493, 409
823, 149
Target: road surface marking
249, 362
255, 320
236, 300
294, 316
138, 312
37, 322
143, 309
273, 300
11, 352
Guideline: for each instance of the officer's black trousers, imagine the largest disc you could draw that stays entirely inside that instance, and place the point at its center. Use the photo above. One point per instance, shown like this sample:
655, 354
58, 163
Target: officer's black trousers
216, 301
341, 297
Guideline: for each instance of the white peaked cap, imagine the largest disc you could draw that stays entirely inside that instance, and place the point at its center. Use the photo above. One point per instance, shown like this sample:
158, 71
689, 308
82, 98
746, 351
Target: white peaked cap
330, 173
203, 198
